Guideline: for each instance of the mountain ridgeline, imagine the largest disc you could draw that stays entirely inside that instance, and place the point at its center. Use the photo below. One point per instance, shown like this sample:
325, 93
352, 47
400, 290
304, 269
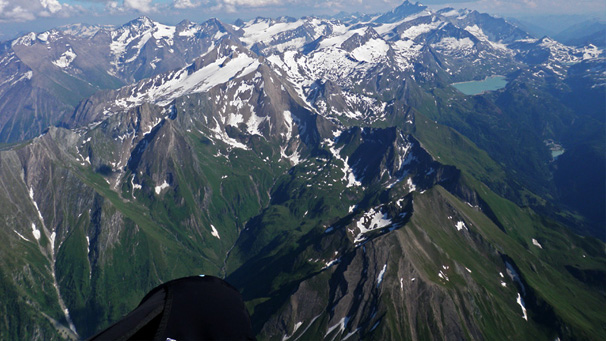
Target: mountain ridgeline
325, 167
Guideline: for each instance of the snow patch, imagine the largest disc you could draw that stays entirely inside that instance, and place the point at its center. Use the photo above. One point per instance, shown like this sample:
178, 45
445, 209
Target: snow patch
411, 186
348, 175
591, 52
370, 221
253, 124
214, 232
442, 274
331, 263
350, 334
164, 32
66, 58
19, 234
338, 39
234, 119
31, 195
373, 50
265, 30
296, 327
381, 274
460, 225
189, 32
221, 135
451, 13
82, 30
35, 231
26, 40
159, 189
415, 31
478, 33
163, 88
450, 43
17, 77
342, 324
288, 122
52, 241
520, 301
513, 274
134, 186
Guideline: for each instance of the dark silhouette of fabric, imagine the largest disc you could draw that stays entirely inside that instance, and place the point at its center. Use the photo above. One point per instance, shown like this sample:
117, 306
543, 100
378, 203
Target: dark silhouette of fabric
190, 308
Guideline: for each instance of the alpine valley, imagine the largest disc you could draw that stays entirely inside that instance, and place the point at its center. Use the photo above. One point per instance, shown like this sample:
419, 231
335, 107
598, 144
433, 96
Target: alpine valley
326, 167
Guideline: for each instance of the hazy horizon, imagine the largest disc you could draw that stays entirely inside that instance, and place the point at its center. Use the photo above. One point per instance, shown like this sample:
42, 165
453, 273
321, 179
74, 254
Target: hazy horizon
22, 16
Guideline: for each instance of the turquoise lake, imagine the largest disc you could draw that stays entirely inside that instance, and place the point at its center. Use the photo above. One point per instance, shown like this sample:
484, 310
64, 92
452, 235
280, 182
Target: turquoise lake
478, 87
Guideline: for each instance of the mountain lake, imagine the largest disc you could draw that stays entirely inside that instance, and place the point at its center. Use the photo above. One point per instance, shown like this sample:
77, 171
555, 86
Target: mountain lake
477, 87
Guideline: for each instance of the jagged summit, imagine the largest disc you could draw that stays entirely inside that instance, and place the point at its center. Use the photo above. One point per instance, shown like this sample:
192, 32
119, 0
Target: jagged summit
83, 30
404, 10
142, 21
143, 48
185, 23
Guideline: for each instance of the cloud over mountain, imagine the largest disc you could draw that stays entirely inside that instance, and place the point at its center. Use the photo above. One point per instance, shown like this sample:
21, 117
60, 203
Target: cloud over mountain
27, 10
183, 4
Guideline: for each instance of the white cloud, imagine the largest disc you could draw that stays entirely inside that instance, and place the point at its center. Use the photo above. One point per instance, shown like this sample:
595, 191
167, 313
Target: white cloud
530, 3
538, 6
331, 4
15, 13
27, 10
252, 3
231, 6
144, 6
182, 4
52, 6
113, 7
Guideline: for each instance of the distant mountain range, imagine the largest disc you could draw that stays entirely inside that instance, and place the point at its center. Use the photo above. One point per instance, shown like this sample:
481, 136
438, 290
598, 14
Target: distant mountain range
326, 167
575, 30
589, 32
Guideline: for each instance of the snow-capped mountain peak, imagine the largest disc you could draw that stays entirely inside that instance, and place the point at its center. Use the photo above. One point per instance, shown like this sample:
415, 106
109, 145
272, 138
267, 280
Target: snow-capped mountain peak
401, 12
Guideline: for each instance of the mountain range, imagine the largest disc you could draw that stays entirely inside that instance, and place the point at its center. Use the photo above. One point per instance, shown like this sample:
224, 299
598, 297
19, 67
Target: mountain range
327, 167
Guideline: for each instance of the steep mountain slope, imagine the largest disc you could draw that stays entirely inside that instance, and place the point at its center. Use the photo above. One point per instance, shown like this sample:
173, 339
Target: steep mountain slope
45, 75
121, 172
428, 243
585, 33
326, 168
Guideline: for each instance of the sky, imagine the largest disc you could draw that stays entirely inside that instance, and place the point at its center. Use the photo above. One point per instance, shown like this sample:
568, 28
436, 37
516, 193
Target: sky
22, 16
